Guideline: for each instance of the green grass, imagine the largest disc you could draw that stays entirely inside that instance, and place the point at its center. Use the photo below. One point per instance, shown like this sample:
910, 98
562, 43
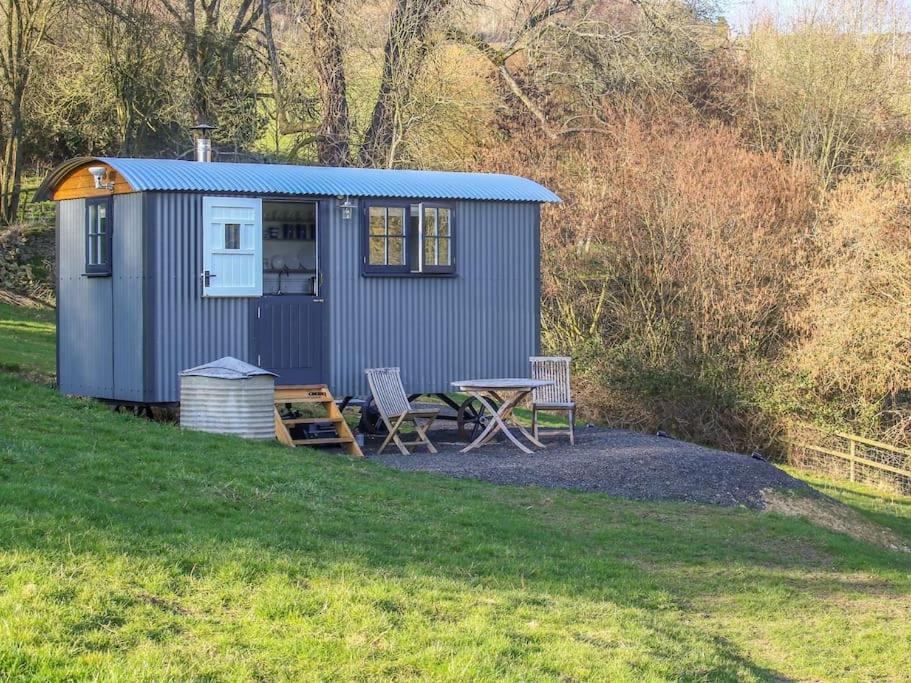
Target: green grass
27, 340
130, 550
890, 510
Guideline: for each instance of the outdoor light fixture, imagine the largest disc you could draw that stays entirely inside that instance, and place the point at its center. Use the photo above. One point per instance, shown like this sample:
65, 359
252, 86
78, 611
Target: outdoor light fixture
346, 207
100, 174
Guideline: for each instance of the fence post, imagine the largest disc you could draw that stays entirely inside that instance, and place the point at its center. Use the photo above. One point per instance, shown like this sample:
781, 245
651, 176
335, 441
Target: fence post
851, 452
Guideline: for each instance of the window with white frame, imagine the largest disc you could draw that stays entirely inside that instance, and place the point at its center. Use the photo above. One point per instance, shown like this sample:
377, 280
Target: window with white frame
401, 238
436, 239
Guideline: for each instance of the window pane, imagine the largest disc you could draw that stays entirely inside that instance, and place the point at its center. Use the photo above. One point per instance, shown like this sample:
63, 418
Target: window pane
377, 220
444, 252
377, 251
232, 235
93, 250
102, 249
396, 224
396, 251
430, 257
444, 223
430, 222
102, 219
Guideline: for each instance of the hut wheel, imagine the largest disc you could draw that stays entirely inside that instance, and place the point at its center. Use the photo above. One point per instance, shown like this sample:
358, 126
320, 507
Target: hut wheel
371, 423
472, 418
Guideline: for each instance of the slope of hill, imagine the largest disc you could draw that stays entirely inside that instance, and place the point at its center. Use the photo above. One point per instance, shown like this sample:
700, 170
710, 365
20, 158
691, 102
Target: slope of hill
133, 550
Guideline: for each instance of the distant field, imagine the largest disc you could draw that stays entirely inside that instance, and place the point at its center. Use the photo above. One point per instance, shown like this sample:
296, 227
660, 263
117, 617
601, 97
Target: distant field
130, 550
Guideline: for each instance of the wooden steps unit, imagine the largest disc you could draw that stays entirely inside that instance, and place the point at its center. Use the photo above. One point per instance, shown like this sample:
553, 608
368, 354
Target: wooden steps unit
313, 394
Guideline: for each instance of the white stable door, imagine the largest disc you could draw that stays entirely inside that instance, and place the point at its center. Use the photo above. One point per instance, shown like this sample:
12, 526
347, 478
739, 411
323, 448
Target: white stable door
232, 247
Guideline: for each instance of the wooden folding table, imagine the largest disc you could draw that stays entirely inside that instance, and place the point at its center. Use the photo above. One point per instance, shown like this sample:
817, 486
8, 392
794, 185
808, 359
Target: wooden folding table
508, 393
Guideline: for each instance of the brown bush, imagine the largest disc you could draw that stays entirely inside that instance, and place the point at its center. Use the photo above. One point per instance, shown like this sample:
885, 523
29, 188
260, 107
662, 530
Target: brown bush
855, 351
670, 274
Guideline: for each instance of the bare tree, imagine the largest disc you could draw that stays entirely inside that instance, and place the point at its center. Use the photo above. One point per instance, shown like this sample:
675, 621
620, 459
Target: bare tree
212, 33
582, 52
135, 66
830, 87
334, 137
529, 20
24, 26
410, 39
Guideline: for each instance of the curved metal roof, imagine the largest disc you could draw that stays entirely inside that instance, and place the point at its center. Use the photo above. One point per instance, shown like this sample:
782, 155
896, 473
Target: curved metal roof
193, 176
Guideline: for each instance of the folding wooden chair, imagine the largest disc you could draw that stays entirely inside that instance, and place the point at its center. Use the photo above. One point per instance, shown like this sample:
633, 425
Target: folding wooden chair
555, 398
395, 409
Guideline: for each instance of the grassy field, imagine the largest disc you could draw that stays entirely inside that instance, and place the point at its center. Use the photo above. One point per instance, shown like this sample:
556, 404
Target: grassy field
27, 340
130, 550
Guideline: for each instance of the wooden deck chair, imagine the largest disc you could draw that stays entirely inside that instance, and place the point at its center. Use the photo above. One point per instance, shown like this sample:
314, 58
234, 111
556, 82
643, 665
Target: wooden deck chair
395, 409
555, 398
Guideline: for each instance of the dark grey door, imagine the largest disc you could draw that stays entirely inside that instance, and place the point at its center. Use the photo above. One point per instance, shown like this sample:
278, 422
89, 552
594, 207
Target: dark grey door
289, 337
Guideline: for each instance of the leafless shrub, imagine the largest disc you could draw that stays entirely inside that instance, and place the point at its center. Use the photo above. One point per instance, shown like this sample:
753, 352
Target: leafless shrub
829, 87
855, 353
670, 273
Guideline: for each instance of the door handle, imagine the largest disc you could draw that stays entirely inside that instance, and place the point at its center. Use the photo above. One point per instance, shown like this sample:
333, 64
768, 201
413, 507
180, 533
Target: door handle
206, 277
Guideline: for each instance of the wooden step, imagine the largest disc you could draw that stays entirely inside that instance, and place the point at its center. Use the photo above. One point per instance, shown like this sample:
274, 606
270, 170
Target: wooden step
322, 442
313, 394
311, 420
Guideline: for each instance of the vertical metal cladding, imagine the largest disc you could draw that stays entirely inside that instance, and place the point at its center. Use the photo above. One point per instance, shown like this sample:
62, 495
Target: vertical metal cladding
128, 272
229, 406
481, 323
128, 336
188, 330
85, 336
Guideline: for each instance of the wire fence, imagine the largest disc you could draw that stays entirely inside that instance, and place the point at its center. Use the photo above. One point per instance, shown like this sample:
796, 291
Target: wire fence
850, 457
29, 211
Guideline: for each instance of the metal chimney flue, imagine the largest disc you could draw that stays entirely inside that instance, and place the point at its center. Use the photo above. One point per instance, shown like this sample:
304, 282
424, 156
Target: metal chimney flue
203, 132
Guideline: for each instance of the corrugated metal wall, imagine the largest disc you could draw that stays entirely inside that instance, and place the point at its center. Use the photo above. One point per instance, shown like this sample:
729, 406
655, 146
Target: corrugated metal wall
85, 312
188, 330
229, 406
100, 319
127, 249
482, 323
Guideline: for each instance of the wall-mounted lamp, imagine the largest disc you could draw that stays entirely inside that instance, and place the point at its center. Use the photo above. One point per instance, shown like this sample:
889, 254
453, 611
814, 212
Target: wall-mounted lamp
346, 207
100, 174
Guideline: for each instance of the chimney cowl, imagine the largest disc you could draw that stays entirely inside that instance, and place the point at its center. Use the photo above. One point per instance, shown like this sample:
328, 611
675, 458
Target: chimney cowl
203, 141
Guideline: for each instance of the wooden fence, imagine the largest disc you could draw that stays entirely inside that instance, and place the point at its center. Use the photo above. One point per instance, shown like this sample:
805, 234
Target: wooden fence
851, 457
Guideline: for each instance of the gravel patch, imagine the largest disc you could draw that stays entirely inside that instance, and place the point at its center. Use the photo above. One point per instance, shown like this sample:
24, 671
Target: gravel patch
617, 462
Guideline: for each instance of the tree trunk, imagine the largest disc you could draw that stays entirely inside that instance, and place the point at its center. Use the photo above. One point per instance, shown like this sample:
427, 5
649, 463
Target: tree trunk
408, 43
333, 140
275, 69
11, 176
